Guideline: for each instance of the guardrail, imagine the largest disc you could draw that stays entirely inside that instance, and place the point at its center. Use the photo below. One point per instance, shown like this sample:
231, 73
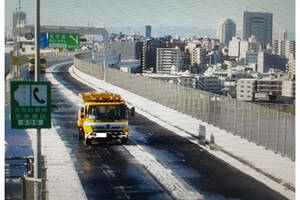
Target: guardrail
270, 128
22, 186
30, 184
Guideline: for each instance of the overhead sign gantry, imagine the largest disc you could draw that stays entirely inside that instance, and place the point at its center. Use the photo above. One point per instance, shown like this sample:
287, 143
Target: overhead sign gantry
69, 30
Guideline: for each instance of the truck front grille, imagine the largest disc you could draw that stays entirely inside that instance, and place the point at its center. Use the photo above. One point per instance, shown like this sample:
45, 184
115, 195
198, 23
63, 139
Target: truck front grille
104, 129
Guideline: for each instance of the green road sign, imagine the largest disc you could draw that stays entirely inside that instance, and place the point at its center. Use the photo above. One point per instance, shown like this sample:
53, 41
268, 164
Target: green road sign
30, 104
64, 40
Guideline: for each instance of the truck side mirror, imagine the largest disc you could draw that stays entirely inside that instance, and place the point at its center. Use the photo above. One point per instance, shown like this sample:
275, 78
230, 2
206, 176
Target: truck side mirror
132, 111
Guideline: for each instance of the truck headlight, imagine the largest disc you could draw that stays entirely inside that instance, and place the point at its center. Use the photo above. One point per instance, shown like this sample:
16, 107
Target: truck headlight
126, 129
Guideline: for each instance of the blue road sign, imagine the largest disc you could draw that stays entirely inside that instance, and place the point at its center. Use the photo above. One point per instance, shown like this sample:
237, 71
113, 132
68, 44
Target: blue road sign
43, 40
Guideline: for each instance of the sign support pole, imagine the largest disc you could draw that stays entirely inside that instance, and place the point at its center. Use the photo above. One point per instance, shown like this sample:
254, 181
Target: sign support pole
37, 160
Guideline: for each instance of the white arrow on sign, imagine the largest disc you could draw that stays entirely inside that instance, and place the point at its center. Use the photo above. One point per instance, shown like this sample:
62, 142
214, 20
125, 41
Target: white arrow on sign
22, 95
75, 39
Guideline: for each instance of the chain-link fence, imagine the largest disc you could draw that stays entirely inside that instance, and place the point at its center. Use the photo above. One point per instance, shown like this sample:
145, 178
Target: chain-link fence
272, 129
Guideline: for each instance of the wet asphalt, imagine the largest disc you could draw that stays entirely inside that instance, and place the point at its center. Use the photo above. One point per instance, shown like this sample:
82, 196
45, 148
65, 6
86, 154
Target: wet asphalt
109, 171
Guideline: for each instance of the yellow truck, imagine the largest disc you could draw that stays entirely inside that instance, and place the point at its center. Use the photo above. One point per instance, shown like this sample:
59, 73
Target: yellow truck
31, 64
103, 117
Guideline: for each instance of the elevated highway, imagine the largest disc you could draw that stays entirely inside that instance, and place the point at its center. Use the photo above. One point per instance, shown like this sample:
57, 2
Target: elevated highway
158, 163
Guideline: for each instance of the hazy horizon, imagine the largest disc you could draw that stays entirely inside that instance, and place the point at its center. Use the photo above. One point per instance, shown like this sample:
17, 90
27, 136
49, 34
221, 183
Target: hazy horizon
167, 17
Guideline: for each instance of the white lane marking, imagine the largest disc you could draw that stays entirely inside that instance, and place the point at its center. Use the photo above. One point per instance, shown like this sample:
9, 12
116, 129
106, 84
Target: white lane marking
52, 68
175, 185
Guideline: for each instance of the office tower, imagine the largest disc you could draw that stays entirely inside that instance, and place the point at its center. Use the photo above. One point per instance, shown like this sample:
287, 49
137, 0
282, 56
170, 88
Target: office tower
234, 47
148, 54
168, 59
226, 30
148, 31
258, 25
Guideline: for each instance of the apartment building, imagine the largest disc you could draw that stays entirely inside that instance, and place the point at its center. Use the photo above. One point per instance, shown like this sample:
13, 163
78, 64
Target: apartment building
251, 89
168, 59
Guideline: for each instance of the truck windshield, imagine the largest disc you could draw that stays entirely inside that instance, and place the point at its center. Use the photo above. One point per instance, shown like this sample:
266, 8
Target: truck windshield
107, 112
42, 61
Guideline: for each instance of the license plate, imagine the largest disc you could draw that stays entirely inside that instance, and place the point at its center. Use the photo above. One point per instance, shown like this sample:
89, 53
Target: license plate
101, 135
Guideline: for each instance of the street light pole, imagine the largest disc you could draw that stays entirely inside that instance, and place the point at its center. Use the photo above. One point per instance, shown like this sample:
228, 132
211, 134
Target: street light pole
37, 160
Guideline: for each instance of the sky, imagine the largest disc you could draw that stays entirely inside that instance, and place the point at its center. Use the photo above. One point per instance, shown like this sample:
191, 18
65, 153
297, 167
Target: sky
174, 17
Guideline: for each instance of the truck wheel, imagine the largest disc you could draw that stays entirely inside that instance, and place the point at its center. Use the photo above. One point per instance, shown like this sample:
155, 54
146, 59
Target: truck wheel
80, 134
124, 140
87, 142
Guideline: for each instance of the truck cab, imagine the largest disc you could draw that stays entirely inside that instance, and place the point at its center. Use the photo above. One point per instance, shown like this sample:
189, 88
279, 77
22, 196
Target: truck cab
103, 117
31, 65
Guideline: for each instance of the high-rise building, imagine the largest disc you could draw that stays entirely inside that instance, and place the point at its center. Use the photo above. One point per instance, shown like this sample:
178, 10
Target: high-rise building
138, 50
148, 31
287, 48
244, 46
234, 47
148, 54
226, 30
198, 55
168, 59
249, 49
258, 25
275, 45
283, 47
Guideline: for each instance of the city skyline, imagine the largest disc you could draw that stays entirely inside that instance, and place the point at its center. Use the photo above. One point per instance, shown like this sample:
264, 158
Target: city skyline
165, 17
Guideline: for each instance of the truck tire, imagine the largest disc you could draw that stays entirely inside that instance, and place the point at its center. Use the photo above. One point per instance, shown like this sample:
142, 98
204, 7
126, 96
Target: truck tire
87, 142
124, 140
80, 134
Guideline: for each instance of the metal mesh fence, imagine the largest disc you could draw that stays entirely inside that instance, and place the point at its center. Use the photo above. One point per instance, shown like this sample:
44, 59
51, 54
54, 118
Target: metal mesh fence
270, 128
